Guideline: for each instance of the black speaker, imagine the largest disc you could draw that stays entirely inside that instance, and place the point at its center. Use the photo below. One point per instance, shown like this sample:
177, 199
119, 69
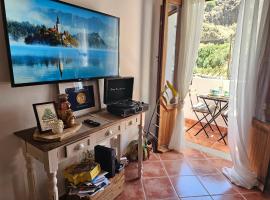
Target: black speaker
106, 158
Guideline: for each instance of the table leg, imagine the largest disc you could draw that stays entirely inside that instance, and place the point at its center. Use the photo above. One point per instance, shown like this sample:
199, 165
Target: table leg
214, 116
52, 185
200, 121
140, 153
140, 145
30, 176
119, 151
51, 167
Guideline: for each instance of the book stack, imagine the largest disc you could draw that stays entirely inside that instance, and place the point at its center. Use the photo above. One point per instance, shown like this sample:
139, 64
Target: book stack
89, 188
89, 181
82, 172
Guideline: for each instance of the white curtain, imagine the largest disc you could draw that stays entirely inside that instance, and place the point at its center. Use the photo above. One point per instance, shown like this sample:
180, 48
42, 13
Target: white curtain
249, 44
188, 34
263, 86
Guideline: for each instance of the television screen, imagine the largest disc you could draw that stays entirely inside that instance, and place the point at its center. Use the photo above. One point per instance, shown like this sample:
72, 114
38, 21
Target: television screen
51, 41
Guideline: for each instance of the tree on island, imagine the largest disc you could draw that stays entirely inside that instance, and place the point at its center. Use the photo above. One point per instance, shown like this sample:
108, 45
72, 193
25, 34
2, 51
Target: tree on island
53, 36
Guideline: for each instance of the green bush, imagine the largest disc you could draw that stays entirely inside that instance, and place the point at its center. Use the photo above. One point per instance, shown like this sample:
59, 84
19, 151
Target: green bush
213, 60
210, 5
212, 72
213, 55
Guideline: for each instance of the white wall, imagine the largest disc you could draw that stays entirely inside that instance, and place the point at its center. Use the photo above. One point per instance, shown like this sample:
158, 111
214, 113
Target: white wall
136, 39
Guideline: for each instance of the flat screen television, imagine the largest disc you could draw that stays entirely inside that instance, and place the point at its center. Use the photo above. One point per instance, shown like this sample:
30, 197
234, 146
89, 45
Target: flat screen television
50, 41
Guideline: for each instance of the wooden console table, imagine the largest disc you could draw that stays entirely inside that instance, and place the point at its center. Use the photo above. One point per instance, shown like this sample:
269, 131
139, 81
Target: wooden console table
51, 154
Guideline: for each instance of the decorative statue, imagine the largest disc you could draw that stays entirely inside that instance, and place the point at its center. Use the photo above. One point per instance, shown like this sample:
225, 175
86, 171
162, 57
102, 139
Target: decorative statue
70, 118
64, 111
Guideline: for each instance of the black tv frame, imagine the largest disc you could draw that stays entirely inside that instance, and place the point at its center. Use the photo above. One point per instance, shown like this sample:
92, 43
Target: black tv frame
13, 84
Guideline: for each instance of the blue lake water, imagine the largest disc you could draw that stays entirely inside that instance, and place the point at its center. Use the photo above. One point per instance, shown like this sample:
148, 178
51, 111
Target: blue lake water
32, 63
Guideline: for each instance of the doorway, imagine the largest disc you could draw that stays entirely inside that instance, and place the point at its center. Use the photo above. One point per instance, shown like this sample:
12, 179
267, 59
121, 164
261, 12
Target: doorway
211, 73
211, 79
166, 111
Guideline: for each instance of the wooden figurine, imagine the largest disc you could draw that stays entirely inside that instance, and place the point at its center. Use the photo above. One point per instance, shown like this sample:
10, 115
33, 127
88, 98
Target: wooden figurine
64, 111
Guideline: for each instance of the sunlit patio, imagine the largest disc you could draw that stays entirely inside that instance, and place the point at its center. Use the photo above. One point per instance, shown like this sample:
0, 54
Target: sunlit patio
203, 87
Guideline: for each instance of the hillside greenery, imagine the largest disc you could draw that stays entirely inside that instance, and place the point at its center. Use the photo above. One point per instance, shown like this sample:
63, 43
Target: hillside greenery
213, 55
217, 36
213, 60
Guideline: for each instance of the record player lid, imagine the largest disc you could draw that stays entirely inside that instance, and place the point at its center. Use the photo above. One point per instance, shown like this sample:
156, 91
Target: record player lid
118, 89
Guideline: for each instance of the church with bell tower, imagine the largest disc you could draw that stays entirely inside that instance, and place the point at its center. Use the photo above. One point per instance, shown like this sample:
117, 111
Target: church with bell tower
58, 25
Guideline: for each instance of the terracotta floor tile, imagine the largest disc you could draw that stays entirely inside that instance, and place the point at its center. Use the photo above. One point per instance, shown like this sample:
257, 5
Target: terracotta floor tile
153, 157
133, 190
211, 142
203, 167
214, 137
158, 188
193, 154
153, 169
198, 198
177, 167
132, 165
220, 147
256, 196
171, 155
201, 139
189, 137
217, 184
201, 135
220, 163
187, 186
131, 171
210, 156
244, 190
229, 197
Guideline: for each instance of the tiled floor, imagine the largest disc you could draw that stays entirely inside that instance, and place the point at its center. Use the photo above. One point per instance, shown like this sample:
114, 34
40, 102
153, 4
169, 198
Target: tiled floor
201, 138
191, 175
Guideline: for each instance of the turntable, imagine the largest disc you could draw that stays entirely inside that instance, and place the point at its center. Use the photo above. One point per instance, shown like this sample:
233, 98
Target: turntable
118, 97
125, 104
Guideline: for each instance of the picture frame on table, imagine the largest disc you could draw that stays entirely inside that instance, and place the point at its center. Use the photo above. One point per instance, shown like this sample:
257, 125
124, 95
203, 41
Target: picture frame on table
83, 96
45, 114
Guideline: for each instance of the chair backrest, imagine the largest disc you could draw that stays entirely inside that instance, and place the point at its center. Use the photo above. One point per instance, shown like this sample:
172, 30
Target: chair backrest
192, 93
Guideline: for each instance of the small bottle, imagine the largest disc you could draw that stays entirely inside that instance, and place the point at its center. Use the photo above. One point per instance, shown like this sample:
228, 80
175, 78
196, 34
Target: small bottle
220, 90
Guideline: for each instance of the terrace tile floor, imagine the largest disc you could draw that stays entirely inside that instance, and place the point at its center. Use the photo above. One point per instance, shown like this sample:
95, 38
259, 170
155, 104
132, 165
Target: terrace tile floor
201, 138
190, 175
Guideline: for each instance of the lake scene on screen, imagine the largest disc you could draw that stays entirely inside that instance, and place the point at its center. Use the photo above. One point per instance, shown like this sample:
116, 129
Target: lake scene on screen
51, 41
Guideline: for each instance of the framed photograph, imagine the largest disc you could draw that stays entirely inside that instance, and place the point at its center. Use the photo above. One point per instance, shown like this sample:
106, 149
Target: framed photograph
83, 96
45, 114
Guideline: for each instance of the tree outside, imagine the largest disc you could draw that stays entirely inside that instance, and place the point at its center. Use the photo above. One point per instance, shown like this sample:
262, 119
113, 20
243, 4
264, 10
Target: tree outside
217, 39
